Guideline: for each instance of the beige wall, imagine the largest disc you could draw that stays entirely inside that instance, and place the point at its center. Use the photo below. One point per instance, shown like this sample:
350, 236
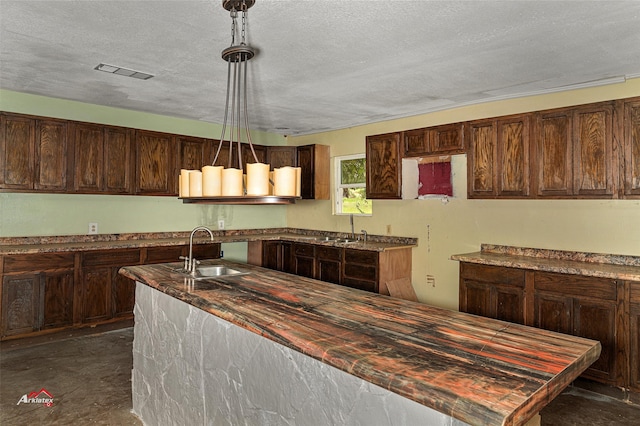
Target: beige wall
460, 226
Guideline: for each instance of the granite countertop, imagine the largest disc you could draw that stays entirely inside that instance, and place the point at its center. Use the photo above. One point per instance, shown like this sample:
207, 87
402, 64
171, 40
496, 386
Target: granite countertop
479, 370
69, 243
620, 267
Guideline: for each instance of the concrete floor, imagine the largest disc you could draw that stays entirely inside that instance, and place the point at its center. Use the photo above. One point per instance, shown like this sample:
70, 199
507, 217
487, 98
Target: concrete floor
88, 373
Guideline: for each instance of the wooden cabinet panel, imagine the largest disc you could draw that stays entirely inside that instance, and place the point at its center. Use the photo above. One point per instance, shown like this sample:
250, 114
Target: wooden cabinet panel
123, 295
329, 264
57, 298
592, 151
247, 155
361, 270
554, 154
304, 260
498, 157
223, 155
96, 294
20, 304
634, 336
581, 306
280, 156
17, 151
492, 292
384, 166
416, 142
631, 149
102, 159
313, 161
155, 172
447, 139
51, 155
277, 255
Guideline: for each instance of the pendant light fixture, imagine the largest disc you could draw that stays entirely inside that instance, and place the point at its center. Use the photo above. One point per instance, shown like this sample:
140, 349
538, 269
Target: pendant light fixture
228, 185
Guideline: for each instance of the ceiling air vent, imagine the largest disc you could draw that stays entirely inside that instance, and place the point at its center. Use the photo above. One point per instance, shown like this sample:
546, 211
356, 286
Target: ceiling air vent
123, 71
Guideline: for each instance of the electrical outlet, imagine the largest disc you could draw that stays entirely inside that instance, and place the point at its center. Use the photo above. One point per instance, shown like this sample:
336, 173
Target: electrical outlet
431, 280
93, 228
388, 229
220, 223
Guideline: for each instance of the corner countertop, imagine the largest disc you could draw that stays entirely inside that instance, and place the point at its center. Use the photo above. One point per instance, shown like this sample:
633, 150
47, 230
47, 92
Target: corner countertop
619, 267
70, 243
478, 370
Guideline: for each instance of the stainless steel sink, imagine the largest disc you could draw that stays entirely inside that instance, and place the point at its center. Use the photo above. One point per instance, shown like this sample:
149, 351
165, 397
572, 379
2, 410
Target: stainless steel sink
346, 240
327, 239
214, 271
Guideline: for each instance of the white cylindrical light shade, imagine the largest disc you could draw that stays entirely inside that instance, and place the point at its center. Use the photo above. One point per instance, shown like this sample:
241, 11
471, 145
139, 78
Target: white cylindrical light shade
195, 183
298, 181
184, 182
231, 182
285, 181
212, 181
257, 179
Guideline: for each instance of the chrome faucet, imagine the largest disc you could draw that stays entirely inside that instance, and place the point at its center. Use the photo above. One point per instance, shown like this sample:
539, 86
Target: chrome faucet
189, 262
364, 235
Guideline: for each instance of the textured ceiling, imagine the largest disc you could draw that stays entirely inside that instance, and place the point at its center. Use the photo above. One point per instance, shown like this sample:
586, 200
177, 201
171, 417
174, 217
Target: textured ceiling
321, 64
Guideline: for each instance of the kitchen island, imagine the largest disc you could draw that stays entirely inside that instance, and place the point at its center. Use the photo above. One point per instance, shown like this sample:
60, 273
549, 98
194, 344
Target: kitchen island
269, 347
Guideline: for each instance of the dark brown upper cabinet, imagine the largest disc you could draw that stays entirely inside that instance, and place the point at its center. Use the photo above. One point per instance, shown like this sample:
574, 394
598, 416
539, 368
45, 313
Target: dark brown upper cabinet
445, 139
280, 156
247, 154
34, 153
17, 151
498, 157
631, 149
384, 166
155, 172
102, 160
313, 161
574, 152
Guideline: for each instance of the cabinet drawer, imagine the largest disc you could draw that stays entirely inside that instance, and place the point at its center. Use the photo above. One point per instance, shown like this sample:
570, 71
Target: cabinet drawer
361, 256
575, 285
360, 271
38, 262
329, 253
111, 257
307, 250
164, 254
206, 251
492, 274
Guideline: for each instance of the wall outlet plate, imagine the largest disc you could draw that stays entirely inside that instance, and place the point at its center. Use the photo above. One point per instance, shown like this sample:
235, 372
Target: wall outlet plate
93, 228
220, 223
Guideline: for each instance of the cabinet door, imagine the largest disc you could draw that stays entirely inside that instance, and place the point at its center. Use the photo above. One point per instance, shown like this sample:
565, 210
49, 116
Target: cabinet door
118, 161
305, 158
223, 155
384, 166
271, 255
20, 304
592, 151
554, 153
57, 299
631, 150
634, 336
154, 163
192, 153
329, 264
581, 306
96, 294
124, 292
51, 155
361, 270
481, 159
304, 260
17, 151
88, 143
280, 156
492, 291
416, 142
498, 158
447, 139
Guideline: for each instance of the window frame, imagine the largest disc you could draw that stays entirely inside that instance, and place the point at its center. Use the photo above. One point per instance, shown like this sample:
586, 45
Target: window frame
337, 194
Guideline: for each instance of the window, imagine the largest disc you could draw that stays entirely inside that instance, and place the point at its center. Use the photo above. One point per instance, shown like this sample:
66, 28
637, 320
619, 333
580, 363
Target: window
351, 180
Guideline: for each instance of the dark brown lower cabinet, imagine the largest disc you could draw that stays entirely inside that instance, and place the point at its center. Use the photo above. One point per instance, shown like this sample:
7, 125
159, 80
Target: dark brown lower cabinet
362, 269
592, 307
49, 291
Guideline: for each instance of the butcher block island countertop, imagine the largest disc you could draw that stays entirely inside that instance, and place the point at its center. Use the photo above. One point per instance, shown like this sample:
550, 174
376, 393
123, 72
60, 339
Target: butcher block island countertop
477, 370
